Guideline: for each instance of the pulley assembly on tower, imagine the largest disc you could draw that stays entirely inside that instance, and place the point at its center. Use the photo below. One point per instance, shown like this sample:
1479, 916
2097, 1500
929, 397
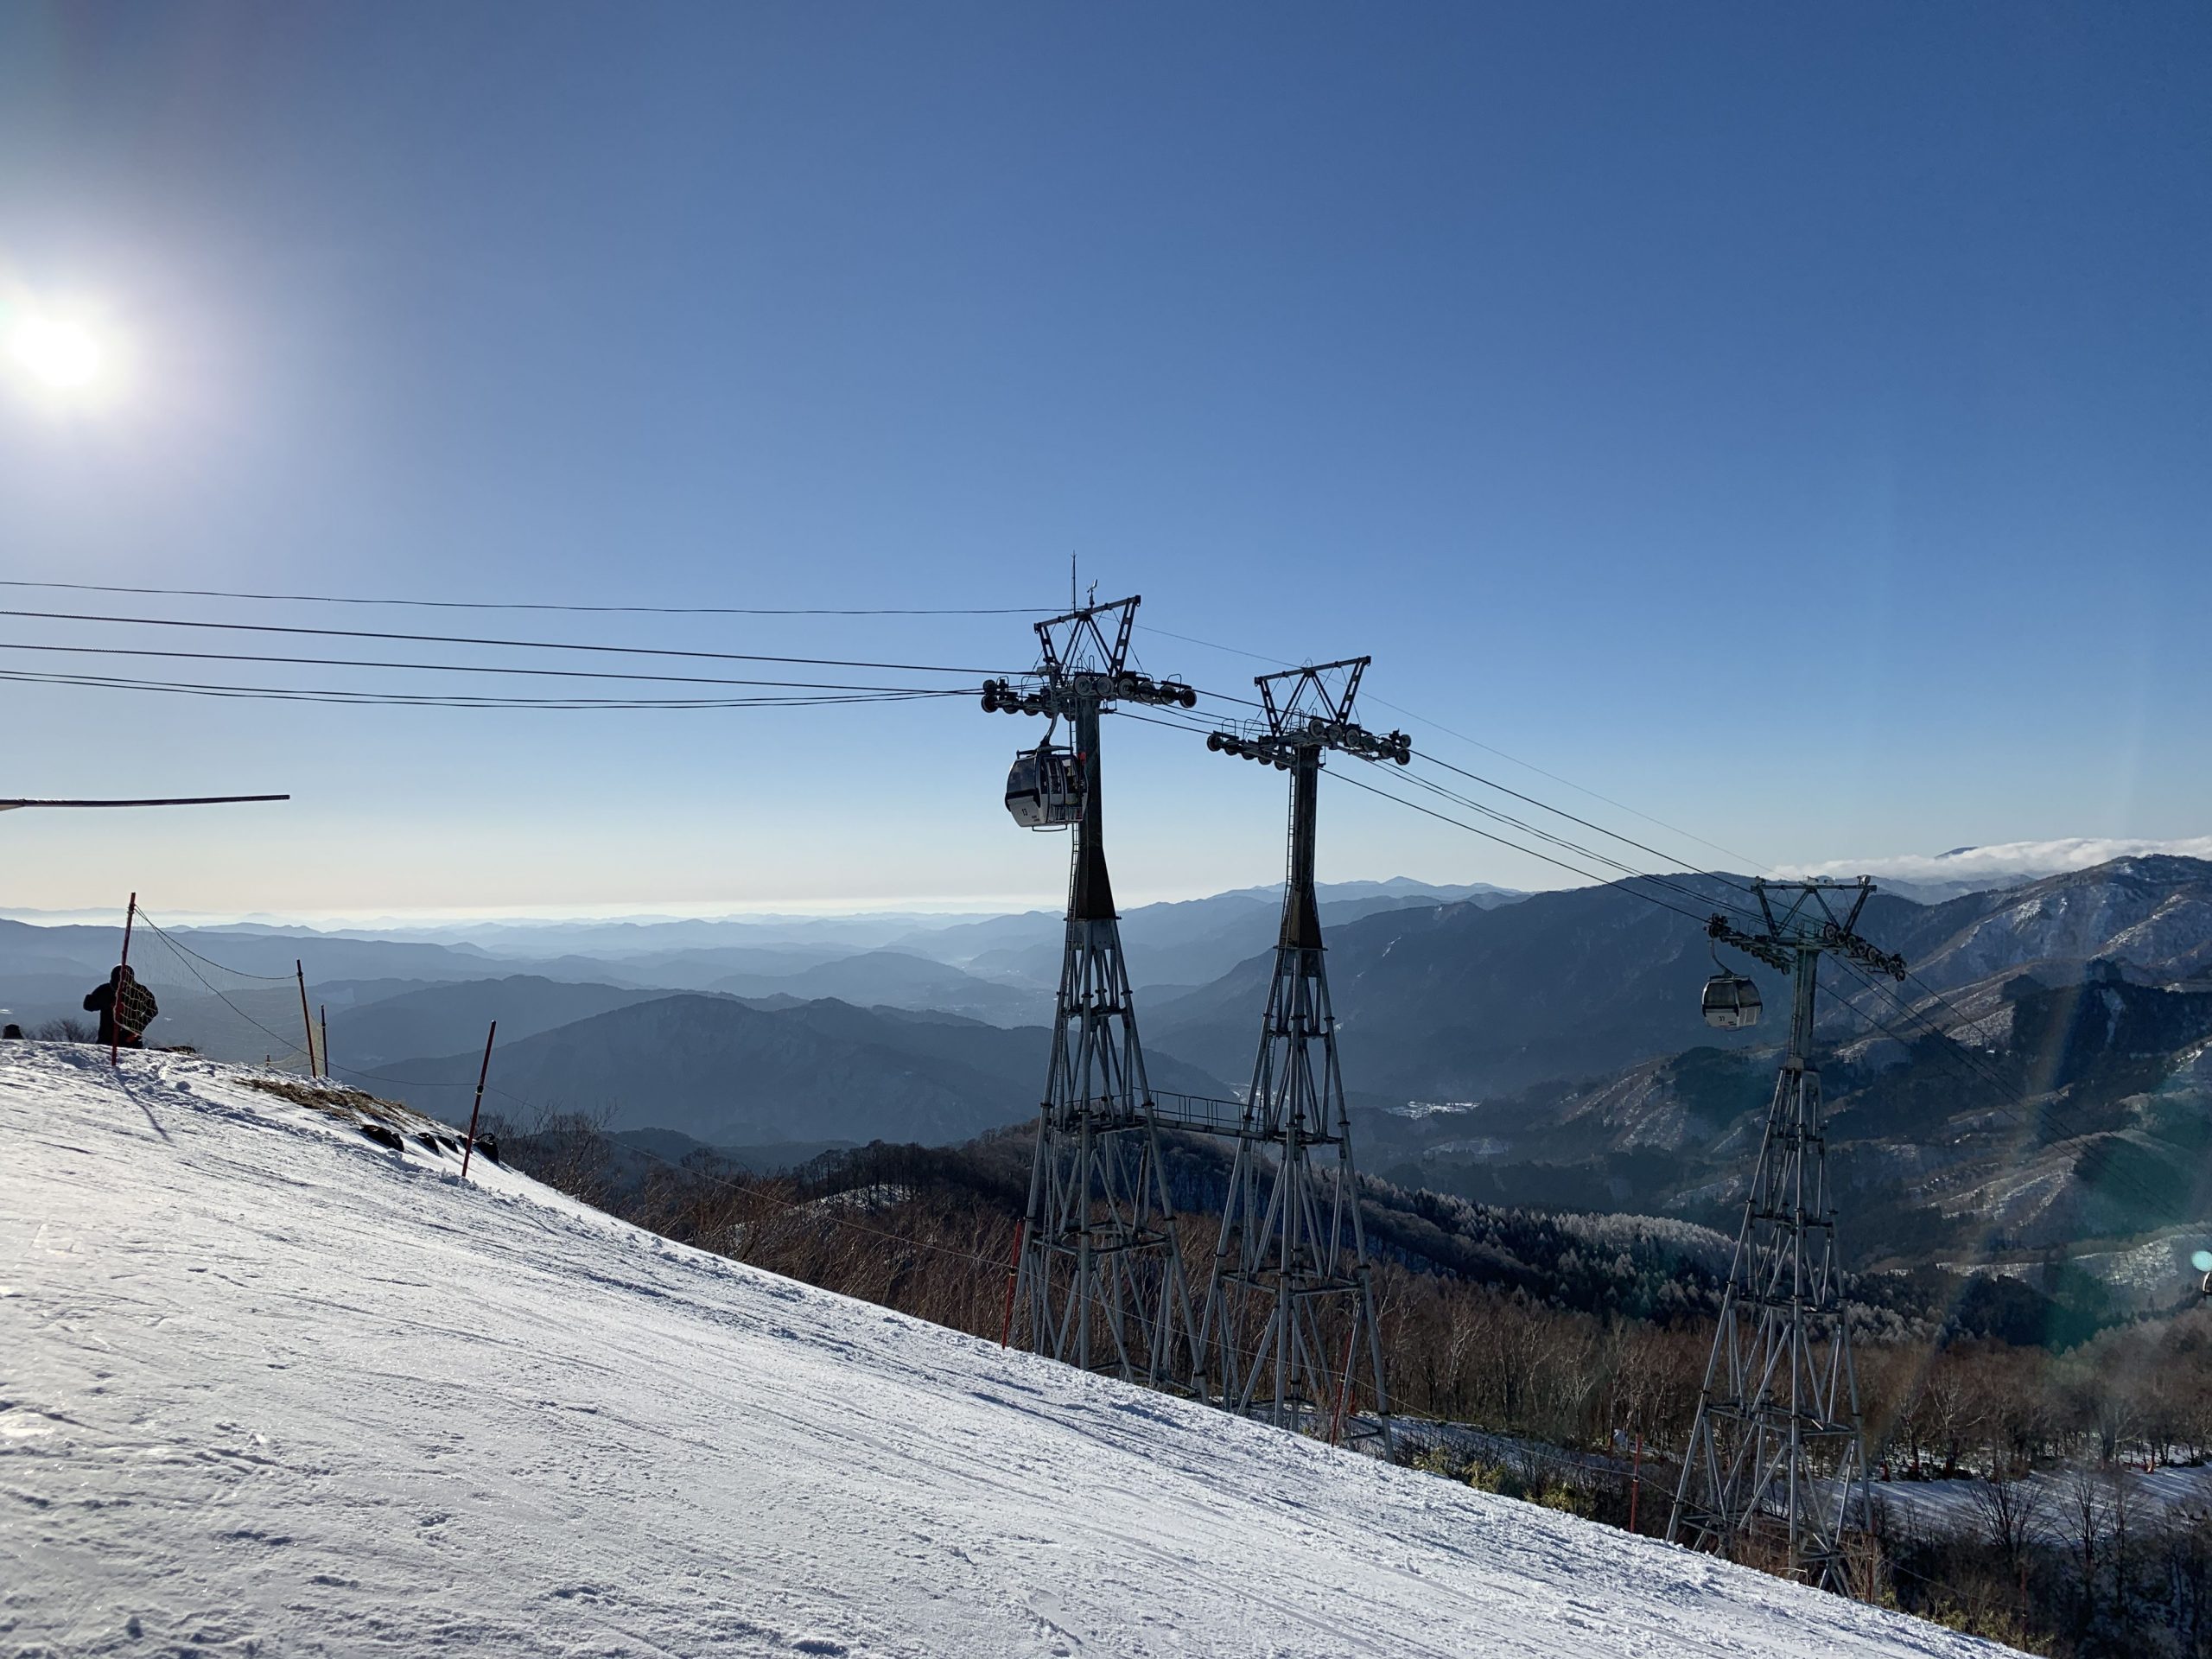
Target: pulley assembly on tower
1045, 785
1261, 741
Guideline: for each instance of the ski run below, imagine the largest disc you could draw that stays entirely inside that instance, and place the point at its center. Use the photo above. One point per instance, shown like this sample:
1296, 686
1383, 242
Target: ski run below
269, 1386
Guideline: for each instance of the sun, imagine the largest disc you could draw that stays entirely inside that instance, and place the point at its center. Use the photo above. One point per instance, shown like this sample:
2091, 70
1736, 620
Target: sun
62, 356
61, 359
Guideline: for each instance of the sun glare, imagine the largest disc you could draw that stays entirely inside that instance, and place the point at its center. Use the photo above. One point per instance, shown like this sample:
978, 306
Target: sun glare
59, 358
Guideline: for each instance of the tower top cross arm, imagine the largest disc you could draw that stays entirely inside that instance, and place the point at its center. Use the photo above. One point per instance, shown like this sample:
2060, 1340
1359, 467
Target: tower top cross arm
1801, 916
1310, 709
1094, 639
1083, 662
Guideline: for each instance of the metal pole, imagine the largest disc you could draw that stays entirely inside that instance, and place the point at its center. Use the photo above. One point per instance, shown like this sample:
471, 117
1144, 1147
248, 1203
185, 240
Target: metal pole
307, 1020
114, 1024
484, 1072
323, 1015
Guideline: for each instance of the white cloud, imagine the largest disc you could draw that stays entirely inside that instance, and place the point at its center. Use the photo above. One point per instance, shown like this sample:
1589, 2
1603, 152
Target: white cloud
2008, 859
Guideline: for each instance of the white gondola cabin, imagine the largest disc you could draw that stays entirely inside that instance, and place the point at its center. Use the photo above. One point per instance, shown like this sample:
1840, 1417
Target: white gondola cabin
1044, 789
1731, 1002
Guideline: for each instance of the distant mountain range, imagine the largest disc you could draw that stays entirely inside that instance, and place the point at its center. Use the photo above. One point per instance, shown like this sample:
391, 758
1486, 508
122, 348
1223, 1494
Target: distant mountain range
2053, 1083
725, 1073
1543, 1049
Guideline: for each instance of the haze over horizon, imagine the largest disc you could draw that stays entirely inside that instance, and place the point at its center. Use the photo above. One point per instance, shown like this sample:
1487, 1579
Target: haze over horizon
1789, 426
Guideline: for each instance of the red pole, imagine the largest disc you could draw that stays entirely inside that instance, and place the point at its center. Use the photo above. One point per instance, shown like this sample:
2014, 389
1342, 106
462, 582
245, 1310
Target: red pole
301, 973
114, 1026
1636, 1481
1013, 1274
469, 1151
1343, 1398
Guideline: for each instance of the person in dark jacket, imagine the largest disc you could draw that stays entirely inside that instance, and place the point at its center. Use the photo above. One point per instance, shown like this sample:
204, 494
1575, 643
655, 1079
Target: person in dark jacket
138, 1009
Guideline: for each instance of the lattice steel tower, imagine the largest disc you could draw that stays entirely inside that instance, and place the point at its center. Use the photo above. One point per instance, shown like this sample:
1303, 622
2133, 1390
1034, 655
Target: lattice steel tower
1776, 1468
1288, 1326
1100, 1282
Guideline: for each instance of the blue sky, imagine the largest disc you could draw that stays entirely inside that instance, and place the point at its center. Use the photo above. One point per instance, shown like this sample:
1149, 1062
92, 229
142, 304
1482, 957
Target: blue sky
1794, 424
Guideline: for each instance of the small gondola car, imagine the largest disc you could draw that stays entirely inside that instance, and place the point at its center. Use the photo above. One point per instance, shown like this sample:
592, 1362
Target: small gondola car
1044, 789
1731, 1002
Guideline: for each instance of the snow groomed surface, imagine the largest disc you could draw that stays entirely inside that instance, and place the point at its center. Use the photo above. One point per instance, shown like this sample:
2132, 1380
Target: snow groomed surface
269, 1386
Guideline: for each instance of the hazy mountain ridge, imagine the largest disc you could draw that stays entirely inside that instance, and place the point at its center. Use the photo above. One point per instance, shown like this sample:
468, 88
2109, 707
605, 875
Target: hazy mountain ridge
726, 1073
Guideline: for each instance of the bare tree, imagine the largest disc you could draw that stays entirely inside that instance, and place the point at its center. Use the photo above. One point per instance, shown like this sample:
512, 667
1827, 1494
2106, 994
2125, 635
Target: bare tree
2011, 1509
2087, 1503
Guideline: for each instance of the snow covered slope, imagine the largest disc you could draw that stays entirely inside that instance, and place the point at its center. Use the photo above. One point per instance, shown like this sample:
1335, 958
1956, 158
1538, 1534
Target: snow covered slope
268, 1386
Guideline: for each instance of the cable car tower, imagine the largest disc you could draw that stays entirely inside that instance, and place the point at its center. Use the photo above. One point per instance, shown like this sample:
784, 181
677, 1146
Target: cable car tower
1100, 1283
1289, 1319
1776, 1461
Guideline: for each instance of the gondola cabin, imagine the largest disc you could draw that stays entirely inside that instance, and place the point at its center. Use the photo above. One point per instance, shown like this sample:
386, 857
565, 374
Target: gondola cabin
1044, 789
1731, 1002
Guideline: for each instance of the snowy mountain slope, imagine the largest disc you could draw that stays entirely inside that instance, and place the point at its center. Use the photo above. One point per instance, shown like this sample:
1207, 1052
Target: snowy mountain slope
268, 1386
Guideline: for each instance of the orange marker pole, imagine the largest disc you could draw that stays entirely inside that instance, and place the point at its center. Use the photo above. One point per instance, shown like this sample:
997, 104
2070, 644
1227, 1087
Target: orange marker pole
469, 1151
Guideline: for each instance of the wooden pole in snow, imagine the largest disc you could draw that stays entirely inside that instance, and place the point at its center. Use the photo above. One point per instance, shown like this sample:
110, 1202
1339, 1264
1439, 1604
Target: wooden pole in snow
114, 1014
469, 1151
323, 1014
1636, 1481
1012, 1275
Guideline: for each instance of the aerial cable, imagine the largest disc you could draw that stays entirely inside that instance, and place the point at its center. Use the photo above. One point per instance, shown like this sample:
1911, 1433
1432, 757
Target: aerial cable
1516, 847
1977, 1070
1579, 789
1492, 783
1974, 1067
1254, 656
458, 668
456, 700
518, 644
518, 605
1627, 869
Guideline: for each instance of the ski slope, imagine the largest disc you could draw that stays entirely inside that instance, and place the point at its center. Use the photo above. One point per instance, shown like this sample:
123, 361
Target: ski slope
267, 1386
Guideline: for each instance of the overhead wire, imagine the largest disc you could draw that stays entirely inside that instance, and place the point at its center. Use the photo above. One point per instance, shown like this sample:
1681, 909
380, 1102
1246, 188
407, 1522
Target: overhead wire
1615, 835
1414, 714
523, 605
505, 644
1974, 1067
455, 700
1624, 869
459, 668
1591, 876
